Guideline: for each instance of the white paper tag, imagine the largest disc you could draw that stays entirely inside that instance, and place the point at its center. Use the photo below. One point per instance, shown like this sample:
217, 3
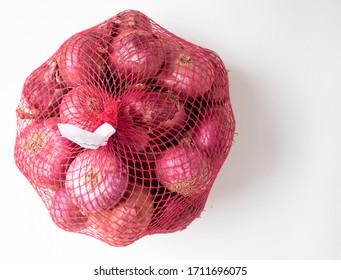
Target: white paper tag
87, 139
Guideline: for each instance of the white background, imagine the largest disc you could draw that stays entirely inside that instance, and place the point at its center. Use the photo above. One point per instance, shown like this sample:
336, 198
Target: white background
278, 196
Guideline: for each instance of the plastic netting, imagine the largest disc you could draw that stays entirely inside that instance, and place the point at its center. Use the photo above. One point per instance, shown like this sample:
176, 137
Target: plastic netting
168, 103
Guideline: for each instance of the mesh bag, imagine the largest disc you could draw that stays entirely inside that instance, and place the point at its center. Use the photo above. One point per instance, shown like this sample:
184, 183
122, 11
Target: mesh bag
123, 130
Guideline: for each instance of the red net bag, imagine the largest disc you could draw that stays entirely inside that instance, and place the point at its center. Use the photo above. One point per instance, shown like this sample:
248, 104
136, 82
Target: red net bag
123, 130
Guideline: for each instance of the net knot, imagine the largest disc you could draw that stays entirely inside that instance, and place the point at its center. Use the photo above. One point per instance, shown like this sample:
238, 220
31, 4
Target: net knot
110, 113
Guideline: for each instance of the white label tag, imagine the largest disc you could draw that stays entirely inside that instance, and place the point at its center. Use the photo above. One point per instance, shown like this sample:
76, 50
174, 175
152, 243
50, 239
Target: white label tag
87, 139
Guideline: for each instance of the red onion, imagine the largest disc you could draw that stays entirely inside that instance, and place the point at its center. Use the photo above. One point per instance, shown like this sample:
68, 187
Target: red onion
136, 55
43, 90
96, 179
132, 19
126, 20
213, 135
127, 221
82, 59
65, 214
183, 169
160, 112
174, 213
88, 107
42, 154
188, 72
220, 87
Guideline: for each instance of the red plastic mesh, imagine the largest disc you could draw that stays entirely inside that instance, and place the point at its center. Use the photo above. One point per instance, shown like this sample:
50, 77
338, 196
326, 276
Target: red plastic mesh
168, 100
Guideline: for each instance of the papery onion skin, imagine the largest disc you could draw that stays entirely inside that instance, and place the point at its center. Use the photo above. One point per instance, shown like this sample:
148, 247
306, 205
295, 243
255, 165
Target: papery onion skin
219, 92
175, 212
82, 59
213, 135
123, 21
188, 72
43, 90
161, 113
65, 214
132, 19
136, 56
184, 170
96, 180
127, 221
42, 154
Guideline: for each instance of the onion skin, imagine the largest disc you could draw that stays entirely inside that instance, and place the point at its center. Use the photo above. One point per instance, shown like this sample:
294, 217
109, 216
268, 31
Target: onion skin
96, 180
214, 131
136, 56
65, 214
42, 154
88, 107
176, 212
182, 169
126, 222
132, 19
30, 113
188, 72
219, 92
43, 90
82, 59
160, 112
148, 120
123, 21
